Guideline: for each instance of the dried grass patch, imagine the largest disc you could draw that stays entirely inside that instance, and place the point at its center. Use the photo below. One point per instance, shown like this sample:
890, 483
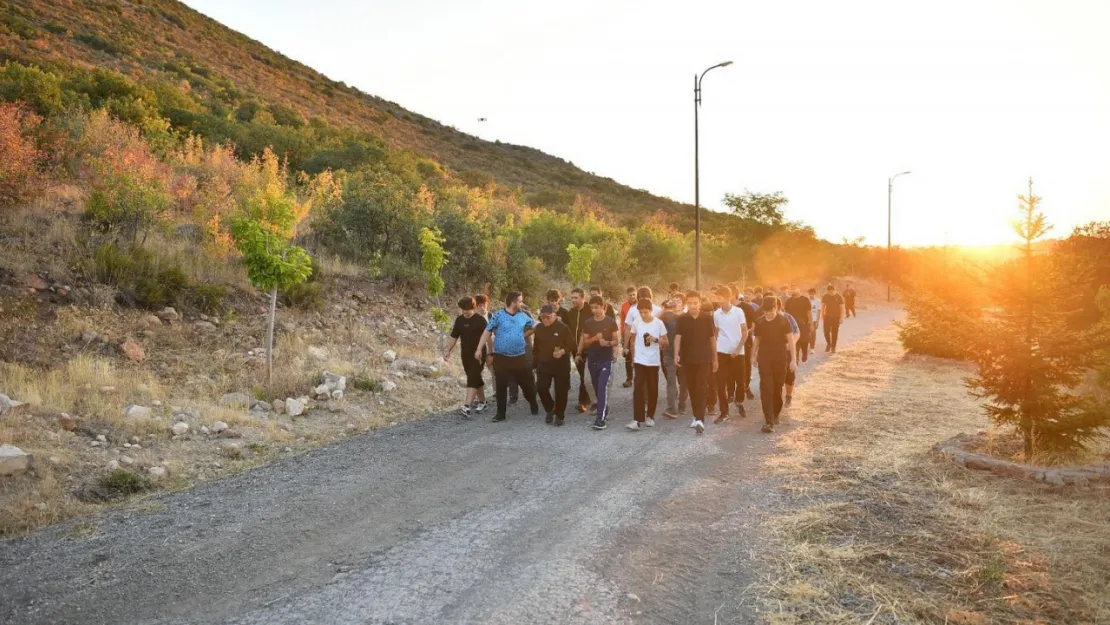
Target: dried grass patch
882, 530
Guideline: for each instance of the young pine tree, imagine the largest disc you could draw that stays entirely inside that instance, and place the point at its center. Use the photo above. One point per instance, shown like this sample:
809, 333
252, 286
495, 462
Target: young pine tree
1029, 360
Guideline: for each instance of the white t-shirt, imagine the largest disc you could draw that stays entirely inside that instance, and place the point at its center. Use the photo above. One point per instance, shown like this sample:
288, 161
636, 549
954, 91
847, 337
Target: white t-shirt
647, 354
634, 314
814, 308
729, 329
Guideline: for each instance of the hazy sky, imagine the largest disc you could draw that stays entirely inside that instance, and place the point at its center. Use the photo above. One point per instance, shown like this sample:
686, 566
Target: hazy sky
824, 101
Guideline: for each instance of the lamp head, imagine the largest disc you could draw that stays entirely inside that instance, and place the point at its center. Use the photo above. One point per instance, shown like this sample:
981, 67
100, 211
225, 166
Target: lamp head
725, 64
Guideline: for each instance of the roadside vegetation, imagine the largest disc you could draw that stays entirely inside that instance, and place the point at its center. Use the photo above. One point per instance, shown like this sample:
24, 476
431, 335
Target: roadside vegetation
878, 528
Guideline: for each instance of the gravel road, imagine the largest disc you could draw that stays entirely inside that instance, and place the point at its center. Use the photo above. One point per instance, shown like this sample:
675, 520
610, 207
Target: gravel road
436, 521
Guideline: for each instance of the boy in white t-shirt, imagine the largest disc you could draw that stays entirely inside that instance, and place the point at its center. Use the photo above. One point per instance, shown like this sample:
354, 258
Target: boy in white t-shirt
647, 337
732, 332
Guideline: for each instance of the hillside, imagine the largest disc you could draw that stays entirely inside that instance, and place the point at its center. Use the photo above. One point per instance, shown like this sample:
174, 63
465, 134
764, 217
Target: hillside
167, 47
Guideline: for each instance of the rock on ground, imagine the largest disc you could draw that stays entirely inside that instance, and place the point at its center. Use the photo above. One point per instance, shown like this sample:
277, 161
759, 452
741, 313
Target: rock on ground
294, 407
7, 403
235, 400
137, 412
389, 355
219, 426
133, 350
14, 460
180, 428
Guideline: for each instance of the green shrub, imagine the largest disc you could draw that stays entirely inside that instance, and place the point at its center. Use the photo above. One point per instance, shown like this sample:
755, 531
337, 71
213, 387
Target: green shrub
158, 289
208, 297
37, 89
401, 274
96, 42
364, 382
121, 482
134, 271
306, 296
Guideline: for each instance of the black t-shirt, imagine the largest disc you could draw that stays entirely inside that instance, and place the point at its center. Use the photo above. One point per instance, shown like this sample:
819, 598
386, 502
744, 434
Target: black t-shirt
469, 332
850, 297
774, 339
799, 307
833, 303
698, 345
607, 327
547, 338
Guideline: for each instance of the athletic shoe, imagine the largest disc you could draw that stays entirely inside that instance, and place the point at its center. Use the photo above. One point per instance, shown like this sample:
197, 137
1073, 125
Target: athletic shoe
693, 423
600, 424
749, 394
513, 400
742, 411
481, 407
559, 422
633, 427
699, 427
535, 409
649, 422
721, 420
789, 400
667, 414
627, 384
767, 428
549, 418
498, 418
465, 411
582, 408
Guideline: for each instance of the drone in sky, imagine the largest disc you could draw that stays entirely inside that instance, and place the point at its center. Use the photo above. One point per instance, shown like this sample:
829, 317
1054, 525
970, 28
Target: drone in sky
481, 119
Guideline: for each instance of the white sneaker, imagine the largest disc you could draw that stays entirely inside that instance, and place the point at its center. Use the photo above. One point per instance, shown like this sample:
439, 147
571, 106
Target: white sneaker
465, 410
481, 407
633, 427
693, 423
649, 422
699, 427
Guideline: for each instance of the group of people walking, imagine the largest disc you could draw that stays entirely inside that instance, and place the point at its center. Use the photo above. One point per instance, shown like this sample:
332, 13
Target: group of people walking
704, 347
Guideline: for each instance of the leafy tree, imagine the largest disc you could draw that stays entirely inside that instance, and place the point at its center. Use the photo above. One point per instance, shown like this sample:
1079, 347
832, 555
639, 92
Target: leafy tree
763, 208
264, 232
432, 260
1029, 360
581, 262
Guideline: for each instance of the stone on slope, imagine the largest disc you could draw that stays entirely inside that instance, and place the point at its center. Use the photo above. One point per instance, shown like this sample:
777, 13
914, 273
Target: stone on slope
294, 407
235, 400
14, 460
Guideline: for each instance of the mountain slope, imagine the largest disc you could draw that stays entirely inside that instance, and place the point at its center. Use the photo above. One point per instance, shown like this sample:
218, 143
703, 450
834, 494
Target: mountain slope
165, 41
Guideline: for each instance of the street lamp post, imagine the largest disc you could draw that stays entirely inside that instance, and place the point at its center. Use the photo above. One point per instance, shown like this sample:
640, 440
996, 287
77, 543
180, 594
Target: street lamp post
697, 187
889, 258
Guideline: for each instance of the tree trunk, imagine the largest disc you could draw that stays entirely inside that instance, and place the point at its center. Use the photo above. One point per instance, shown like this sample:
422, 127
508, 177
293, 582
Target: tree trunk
270, 345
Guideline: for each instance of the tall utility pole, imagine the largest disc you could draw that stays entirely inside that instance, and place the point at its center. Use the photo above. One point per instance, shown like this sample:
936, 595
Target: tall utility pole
697, 183
889, 258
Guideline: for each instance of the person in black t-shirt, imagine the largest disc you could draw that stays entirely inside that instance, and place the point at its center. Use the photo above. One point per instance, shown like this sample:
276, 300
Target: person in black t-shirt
599, 347
696, 354
552, 347
575, 318
775, 356
800, 308
468, 328
849, 301
832, 313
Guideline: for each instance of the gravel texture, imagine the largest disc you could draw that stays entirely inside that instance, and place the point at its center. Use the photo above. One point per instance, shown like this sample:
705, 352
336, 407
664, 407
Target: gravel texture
437, 521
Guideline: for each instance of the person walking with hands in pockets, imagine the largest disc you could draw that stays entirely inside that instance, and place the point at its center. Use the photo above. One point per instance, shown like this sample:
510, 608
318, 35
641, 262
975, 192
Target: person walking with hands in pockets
600, 345
647, 338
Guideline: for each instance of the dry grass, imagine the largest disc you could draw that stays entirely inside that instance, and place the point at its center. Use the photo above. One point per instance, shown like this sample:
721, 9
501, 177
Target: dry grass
881, 530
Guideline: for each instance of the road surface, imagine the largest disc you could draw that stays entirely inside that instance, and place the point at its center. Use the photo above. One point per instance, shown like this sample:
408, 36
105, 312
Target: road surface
436, 521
